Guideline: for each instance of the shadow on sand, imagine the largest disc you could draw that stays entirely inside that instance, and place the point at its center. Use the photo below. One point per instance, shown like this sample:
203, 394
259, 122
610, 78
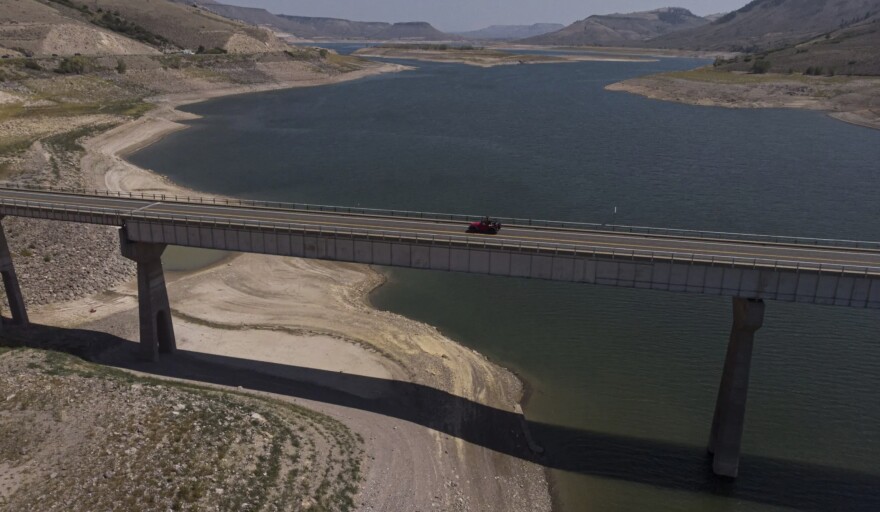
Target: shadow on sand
679, 467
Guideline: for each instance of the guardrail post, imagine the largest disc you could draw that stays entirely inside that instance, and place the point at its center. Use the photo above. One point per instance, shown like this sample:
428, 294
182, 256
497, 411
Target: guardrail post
10, 282
725, 440
154, 310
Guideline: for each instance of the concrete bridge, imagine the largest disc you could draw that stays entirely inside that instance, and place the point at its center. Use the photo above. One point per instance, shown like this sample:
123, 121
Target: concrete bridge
748, 268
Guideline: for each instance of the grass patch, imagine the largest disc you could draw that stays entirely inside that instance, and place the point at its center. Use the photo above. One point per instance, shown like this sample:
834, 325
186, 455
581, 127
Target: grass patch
13, 146
69, 141
130, 108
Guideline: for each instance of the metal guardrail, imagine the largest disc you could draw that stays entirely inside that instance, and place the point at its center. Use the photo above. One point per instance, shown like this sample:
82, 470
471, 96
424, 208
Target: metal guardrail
115, 216
613, 228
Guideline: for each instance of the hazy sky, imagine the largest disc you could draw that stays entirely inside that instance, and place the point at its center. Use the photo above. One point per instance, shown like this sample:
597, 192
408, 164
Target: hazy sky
453, 15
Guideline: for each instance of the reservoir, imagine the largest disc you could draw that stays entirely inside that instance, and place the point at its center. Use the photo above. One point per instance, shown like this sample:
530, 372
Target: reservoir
622, 383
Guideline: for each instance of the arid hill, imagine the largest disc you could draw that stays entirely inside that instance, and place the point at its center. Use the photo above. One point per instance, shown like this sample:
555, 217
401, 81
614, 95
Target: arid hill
32, 28
621, 29
333, 28
190, 27
768, 24
415, 31
853, 50
123, 27
250, 15
307, 27
511, 32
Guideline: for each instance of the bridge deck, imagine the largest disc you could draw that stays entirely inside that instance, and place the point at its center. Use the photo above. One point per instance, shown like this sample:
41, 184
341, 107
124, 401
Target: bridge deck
804, 254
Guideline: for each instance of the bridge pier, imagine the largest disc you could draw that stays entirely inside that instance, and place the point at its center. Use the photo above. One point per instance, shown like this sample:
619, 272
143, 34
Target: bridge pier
154, 310
10, 282
725, 439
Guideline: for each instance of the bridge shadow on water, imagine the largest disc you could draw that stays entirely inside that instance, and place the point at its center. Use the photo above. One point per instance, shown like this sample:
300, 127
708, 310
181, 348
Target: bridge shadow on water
679, 467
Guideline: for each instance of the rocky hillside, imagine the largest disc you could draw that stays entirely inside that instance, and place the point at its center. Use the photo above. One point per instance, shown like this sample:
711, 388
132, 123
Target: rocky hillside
191, 27
123, 27
621, 29
84, 437
333, 28
306, 27
853, 50
32, 28
249, 15
768, 24
511, 32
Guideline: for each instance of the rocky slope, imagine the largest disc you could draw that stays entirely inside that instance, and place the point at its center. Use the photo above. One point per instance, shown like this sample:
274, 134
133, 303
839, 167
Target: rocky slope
34, 28
83, 437
307, 27
621, 29
333, 28
122, 27
768, 24
854, 50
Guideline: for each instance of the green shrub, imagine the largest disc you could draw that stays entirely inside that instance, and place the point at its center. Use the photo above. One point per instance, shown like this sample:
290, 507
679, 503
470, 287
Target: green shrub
121, 66
72, 65
32, 64
213, 51
761, 66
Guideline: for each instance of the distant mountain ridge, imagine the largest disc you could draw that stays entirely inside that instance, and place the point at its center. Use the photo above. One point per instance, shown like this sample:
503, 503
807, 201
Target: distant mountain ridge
767, 24
304, 26
327, 28
622, 29
501, 32
413, 31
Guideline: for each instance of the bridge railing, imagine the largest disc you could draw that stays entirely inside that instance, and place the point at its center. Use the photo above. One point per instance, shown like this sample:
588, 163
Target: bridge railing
451, 217
116, 216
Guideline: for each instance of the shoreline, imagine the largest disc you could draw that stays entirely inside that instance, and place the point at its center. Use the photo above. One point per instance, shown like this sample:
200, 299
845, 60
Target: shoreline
487, 58
848, 99
427, 358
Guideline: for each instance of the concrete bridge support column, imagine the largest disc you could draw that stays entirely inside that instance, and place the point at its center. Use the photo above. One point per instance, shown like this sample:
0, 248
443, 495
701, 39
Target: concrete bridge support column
156, 328
10, 283
730, 407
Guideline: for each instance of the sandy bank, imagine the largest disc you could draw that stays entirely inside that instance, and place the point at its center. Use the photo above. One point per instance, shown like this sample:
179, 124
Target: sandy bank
488, 58
854, 100
302, 329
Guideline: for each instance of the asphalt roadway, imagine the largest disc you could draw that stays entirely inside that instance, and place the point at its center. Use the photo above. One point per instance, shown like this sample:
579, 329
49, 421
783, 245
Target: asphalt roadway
786, 254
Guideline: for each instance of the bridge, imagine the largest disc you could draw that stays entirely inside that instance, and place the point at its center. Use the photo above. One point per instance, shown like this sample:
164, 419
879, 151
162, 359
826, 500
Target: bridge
749, 268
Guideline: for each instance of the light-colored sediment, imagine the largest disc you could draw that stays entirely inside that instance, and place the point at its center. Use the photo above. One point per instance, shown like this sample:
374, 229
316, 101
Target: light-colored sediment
489, 58
855, 100
286, 318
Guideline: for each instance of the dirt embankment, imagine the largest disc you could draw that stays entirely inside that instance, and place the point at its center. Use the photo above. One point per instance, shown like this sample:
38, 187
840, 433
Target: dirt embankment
440, 424
852, 99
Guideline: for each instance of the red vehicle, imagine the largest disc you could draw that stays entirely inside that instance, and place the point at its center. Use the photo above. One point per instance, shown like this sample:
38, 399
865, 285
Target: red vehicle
486, 226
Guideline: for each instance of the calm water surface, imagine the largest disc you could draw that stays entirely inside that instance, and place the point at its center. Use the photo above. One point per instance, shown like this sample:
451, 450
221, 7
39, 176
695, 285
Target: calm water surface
622, 382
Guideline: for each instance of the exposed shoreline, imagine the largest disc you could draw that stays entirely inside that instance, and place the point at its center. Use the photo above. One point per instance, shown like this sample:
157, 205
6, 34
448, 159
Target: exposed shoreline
487, 58
278, 316
854, 100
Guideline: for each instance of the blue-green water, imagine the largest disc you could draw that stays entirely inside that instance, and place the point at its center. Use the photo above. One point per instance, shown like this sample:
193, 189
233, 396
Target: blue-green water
623, 382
